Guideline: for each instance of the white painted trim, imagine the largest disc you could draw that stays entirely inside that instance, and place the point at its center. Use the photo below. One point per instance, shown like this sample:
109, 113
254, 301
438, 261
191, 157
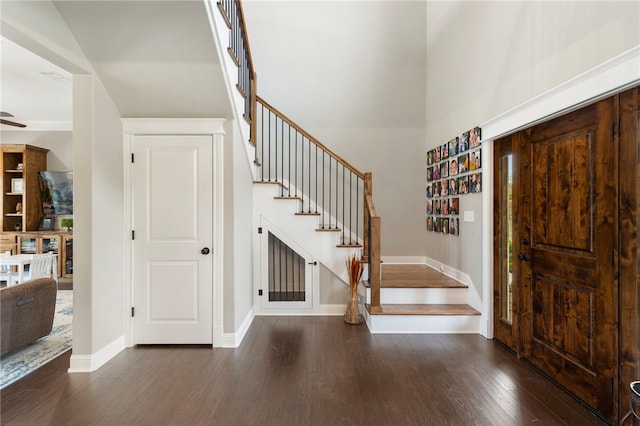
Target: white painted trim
404, 259
473, 298
127, 192
218, 238
614, 75
233, 340
89, 363
486, 323
169, 126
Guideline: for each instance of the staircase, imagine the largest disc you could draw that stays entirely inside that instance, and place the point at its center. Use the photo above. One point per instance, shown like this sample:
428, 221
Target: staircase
308, 194
416, 298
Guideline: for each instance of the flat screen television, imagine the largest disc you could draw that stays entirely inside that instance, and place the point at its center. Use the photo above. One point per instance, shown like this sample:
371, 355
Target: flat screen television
56, 191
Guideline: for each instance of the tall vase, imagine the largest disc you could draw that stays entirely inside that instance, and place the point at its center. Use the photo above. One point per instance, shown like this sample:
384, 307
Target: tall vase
352, 315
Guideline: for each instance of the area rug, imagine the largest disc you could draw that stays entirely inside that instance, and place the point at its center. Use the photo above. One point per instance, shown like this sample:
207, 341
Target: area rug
17, 364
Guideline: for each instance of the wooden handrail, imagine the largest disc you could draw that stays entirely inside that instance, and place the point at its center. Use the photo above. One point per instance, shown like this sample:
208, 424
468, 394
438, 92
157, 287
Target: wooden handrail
245, 36
370, 206
311, 138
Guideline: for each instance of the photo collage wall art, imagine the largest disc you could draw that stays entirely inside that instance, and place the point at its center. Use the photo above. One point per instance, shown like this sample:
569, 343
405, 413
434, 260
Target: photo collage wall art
453, 170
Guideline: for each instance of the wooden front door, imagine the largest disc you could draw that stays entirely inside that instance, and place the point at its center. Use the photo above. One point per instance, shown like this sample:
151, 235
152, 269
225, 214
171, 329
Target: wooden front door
564, 244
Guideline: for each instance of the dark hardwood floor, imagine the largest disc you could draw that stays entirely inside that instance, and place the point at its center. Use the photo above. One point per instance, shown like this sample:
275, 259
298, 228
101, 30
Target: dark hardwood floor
300, 371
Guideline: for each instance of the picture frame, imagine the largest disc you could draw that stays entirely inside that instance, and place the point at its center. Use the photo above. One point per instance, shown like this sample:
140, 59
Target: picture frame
17, 185
46, 223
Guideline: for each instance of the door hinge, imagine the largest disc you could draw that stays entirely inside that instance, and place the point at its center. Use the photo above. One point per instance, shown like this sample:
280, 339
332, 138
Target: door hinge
260, 230
133, 312
133, 234
260, 292
133, 158
314, 263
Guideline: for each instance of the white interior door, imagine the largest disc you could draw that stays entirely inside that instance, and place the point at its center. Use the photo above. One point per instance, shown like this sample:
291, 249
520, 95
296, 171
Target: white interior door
172, 220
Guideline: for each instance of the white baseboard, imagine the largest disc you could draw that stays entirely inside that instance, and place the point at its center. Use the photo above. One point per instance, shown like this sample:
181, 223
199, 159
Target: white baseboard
89, 363
233, 340
321, 310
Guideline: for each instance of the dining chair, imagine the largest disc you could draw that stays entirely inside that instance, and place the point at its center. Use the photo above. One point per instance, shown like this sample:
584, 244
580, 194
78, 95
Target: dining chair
42, 265
7, 275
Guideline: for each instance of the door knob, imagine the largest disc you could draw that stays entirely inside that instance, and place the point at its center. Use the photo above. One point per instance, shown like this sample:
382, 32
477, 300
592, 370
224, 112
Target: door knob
523, 256
205, 250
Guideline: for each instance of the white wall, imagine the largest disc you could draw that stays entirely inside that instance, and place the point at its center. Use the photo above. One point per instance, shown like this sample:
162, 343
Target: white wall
59, 144
98, 219
396, 159
107, 233
243, 232
238, 232
506, 54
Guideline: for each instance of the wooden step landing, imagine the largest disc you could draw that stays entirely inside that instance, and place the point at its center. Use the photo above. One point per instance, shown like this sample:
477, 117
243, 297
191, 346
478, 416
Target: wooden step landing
415, 276
424, 309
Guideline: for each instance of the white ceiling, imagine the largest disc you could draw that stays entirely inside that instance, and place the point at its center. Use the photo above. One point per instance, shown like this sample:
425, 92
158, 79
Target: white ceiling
155, 58
158, 59
34, 90
341, 64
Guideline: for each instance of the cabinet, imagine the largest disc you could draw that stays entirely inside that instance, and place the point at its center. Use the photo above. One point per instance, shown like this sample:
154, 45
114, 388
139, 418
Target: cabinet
60, 243
21, 202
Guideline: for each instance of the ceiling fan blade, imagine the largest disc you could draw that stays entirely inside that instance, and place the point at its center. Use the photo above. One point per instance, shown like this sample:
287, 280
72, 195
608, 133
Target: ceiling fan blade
5, 114
11, 123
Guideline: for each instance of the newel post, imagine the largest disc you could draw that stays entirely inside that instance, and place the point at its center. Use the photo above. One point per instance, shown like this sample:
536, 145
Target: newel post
368, 182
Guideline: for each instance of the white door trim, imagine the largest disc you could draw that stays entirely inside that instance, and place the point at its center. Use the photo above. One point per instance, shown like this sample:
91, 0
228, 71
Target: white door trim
185, 126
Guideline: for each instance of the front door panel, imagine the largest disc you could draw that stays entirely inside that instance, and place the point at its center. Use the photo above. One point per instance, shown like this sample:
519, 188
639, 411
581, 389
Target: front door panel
568, 281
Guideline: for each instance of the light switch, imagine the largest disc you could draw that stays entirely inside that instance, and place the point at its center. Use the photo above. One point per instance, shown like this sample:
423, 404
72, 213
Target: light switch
469, 216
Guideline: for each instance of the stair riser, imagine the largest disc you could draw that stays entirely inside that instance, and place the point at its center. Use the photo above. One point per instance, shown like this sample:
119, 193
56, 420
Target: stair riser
420, 295
423, 324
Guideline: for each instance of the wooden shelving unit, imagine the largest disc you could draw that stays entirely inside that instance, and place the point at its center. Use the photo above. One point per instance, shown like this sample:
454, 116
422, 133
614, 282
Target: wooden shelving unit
58, 242
21, 162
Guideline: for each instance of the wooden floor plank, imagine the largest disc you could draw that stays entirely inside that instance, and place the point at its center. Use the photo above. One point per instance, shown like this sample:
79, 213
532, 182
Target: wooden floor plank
314, 371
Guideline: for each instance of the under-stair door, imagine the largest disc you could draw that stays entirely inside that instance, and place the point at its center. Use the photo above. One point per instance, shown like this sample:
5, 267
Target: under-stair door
286, 274
172, 261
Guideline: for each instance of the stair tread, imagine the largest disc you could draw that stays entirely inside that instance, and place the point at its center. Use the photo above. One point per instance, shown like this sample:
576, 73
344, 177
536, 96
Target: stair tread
328, 229
415, 276
424, 309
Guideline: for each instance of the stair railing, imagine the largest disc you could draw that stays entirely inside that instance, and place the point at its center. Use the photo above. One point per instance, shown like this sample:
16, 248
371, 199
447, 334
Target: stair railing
240, 53
325, 184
